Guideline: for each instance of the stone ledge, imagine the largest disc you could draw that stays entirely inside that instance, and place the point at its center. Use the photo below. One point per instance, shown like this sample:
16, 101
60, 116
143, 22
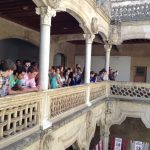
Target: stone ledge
23, 143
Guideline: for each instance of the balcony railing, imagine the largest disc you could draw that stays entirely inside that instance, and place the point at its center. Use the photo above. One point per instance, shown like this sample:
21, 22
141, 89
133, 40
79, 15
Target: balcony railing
129, 90
22, 115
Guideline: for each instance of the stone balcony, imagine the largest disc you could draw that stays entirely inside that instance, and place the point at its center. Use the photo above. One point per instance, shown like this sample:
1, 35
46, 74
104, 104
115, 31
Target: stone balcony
23, 115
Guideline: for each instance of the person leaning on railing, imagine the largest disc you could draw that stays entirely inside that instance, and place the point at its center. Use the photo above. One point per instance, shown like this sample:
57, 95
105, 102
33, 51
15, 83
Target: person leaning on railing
7, 67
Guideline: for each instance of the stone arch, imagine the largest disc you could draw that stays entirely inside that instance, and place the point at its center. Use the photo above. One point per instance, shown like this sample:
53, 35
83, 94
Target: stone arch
70, 139
119, 112
123, 115
74, 9
81, 19
130, 129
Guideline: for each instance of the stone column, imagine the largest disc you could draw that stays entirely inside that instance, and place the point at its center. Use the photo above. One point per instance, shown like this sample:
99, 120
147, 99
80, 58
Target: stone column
105, 137
89, 40
107, 57
46, 13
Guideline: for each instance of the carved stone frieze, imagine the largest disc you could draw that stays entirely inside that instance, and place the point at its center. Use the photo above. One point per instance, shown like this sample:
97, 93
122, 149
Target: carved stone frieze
105, 5
97, 92
132, 10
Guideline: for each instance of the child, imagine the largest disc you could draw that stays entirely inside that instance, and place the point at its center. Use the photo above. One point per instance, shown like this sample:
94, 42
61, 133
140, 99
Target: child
18, 76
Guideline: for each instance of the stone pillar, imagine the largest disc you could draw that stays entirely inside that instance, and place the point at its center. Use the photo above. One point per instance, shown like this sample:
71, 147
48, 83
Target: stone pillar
46, 13
105, 137
89, 40
107, 57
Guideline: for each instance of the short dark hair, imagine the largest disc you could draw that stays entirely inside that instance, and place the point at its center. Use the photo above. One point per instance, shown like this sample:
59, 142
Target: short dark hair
19, 70
53, 68
18, 60
26, 61
7, 64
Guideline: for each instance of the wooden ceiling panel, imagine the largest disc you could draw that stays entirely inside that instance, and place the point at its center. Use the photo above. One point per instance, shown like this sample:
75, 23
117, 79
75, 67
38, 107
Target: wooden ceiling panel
23, 12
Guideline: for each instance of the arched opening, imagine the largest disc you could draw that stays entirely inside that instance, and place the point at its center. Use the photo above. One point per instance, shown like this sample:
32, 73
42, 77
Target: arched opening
14, 48
130, 131
95, 142
64, 27
59, 60
64, 23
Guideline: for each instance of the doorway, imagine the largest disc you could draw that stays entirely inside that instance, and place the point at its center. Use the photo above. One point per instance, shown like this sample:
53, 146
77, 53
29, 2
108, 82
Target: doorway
59, 60
140, 74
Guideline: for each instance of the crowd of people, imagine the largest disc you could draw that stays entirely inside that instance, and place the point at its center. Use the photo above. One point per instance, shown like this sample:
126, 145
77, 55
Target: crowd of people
22, 77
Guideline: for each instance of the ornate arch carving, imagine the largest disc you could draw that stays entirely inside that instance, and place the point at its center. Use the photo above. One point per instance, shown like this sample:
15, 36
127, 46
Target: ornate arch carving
96, 27
117, 112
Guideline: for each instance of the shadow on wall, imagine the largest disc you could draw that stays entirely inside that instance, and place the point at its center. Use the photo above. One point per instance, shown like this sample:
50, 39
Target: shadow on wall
13, 48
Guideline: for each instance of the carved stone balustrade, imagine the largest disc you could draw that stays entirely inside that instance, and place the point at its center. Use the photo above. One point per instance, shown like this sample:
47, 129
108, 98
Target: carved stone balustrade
97, 91
22, 115
64, 99
19, 116
130, 90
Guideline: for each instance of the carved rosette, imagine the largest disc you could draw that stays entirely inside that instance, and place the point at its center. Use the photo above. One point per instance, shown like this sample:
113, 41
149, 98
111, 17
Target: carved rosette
46, 14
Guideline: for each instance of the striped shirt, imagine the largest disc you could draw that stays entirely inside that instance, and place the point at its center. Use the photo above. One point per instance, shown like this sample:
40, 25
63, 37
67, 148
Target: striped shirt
4, 86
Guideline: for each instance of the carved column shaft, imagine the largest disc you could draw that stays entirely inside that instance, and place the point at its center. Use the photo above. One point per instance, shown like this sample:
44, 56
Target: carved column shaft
89, 40
107, 58
105, 137
46, 13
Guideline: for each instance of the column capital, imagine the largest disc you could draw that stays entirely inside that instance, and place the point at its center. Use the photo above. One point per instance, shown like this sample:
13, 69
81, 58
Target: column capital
108, 47
89, 37
46, 14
